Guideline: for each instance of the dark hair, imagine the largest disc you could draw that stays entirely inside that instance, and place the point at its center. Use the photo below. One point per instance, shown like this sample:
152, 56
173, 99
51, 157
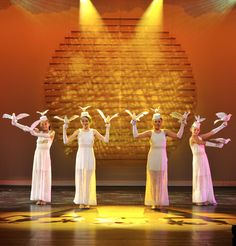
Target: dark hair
89, 119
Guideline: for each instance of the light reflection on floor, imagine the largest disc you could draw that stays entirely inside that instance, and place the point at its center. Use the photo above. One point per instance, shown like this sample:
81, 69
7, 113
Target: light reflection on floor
110, 224
132, 217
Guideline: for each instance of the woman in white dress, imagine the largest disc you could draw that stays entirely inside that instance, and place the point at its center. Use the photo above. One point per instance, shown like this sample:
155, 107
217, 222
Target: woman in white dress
202, 188
85, 179
41, 174
156, 194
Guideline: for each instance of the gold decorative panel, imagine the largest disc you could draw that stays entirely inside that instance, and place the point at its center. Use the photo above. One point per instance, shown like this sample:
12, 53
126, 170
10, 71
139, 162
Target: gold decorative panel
115, 70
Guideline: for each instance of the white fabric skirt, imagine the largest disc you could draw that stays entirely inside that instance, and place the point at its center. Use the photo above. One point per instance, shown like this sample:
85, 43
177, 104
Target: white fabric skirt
156, 188
41, 176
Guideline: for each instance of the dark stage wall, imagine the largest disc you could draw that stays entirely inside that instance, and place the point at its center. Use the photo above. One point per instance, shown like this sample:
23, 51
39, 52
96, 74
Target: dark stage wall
29, 36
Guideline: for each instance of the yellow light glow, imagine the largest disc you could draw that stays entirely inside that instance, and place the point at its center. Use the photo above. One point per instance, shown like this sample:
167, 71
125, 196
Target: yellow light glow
154, 13
150, 25
89, 15
53, 219
152, 17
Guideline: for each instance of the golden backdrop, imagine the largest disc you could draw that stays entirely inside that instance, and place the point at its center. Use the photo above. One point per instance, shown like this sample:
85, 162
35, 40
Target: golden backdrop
115, 68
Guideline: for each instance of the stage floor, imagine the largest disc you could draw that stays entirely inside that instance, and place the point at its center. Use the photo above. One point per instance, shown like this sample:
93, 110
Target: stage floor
119, 219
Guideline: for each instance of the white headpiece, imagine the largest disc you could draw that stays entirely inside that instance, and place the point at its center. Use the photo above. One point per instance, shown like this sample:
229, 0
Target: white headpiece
43, 117
156, 115
197, 123
85, 113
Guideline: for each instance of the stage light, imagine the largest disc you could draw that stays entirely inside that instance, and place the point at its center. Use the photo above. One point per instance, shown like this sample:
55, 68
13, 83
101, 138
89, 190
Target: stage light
150, 24
89, 15
151, 21
154, 14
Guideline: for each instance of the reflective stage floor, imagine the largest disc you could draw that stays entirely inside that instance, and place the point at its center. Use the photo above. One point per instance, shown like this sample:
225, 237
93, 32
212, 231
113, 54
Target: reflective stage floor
119, 219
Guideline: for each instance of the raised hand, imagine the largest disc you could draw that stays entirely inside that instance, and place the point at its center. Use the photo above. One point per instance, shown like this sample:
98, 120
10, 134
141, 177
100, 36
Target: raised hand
135, 117
108, 118
182, 118
222, 117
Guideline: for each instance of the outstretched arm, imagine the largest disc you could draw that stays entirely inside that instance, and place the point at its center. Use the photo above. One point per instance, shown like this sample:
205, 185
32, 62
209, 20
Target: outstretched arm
214, 131
105, 138
50, 134
196, 140
139, 135
179, 134
69, 139
22, 127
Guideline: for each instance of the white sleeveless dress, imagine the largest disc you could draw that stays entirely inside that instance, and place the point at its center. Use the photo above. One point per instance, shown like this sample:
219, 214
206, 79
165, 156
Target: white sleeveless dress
41, 174
157, 180
202, 182
85, 179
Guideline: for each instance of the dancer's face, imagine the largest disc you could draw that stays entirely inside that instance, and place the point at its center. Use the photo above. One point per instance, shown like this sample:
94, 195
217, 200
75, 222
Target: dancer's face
45, 125
157, 123
195, 130
85, 122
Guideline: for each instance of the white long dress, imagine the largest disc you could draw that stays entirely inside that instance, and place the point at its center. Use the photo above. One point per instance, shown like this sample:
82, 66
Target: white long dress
85, 179
41, 174
202, 182
156, 183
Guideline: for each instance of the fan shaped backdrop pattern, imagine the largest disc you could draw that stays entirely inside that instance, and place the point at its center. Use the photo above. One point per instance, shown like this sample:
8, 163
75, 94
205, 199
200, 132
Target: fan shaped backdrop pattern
114, 69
